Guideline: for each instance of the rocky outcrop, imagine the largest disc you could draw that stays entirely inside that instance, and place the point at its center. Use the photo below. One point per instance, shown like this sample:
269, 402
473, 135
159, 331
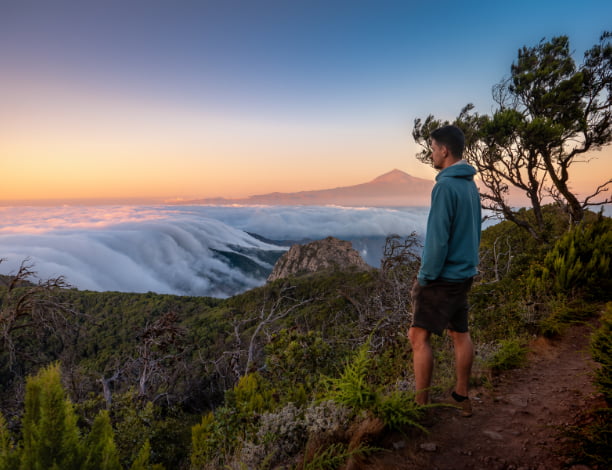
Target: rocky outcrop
321, 255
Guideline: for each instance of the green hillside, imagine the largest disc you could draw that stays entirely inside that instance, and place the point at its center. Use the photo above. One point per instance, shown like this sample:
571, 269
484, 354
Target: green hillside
268, 378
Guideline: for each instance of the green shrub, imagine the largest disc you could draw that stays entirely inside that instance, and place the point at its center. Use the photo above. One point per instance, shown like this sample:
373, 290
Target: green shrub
251, 395
335, 455
294, 362
601, 350
578, 263
591, 440
217, 436
143, 462
564, 312
352, 388
100, 444
499, 310
511, 354
9, 457
399, 410
203, 443
51, 438
396, 408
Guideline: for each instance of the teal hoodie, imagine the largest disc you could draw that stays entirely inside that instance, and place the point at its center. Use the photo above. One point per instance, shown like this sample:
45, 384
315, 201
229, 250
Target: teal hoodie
453, 227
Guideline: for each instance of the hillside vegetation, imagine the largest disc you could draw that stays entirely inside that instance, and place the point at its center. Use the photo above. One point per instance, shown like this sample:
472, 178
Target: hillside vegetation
304, 372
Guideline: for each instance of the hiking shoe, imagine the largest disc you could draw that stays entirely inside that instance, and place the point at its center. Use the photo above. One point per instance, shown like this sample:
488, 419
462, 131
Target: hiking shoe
465, 406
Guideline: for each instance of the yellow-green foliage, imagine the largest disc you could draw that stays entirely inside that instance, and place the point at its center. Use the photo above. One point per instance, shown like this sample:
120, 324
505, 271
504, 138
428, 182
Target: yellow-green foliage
396, 408
250, 395
510, 355
143, 458
50, 434
335, 455
51, 438
9, 458
216, 437
203, 441
352, 388
133, 423
591, 442
578, 262
295, 361
601, 350
100, 445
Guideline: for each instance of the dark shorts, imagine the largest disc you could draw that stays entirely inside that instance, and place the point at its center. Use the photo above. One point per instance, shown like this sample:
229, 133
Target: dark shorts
441, 305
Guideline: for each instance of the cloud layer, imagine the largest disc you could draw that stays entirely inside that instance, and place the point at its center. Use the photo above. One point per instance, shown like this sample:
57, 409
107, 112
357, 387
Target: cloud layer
181, 250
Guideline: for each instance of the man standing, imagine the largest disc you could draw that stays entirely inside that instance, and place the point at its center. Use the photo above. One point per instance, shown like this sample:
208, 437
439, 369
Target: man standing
448, 264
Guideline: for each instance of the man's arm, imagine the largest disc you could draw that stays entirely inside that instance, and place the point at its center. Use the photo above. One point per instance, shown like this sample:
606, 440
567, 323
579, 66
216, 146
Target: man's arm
438, 233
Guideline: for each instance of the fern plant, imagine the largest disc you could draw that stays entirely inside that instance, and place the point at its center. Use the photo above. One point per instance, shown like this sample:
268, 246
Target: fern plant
352, 388
335, 455
396, 408
399, 410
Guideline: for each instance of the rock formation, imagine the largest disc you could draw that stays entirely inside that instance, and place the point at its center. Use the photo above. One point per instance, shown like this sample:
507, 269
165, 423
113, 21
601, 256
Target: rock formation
321, 255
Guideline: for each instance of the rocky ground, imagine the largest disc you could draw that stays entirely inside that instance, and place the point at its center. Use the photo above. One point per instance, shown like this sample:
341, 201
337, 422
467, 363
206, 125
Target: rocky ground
517, 424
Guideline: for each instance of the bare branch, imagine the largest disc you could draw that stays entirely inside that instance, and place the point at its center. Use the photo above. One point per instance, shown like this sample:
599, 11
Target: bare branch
600, 189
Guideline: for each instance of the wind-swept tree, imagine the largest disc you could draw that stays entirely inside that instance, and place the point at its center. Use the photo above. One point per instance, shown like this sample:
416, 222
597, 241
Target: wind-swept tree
550, 113
32, 315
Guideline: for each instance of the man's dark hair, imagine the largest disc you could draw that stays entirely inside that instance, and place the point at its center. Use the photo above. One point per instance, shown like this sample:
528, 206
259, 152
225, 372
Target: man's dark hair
452, 138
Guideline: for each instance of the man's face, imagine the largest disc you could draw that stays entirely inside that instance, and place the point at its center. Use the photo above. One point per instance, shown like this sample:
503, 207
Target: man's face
438, 154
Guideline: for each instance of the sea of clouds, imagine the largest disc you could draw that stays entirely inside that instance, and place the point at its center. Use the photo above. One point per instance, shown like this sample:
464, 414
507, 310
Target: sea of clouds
176, 249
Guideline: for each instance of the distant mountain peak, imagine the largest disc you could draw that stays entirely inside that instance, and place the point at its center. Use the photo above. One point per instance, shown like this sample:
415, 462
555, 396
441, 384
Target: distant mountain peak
394, 188
394, 176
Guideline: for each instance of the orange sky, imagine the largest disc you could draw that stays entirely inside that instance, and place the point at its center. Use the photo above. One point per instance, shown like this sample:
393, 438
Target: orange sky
127, 150
69, 145
212, 100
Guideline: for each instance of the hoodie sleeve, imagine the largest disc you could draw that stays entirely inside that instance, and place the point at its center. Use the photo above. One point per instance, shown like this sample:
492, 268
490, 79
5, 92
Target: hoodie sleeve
438, 234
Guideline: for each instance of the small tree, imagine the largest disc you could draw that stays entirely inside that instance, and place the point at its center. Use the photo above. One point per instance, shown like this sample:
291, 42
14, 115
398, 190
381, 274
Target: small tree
143, 462
33, 314
102, 452
549, 114
50, 433
9, 456
160, 355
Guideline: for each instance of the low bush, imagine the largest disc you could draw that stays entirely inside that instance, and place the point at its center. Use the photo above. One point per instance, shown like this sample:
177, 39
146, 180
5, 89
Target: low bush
601, 351
511, 354
578, 264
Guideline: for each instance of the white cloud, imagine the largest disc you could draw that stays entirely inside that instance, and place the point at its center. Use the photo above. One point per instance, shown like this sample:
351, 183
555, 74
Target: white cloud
170, 249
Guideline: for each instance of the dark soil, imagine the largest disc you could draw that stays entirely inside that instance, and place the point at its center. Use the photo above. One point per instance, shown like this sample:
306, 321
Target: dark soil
517, 424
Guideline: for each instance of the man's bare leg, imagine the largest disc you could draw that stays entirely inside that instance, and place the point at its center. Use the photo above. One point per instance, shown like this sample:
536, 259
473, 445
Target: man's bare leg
422, 358
464, 356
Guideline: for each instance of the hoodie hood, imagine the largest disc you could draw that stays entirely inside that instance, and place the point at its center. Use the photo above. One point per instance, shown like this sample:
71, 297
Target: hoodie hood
461, 169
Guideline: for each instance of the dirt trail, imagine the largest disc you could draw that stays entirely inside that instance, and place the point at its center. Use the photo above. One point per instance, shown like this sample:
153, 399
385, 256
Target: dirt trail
517, 424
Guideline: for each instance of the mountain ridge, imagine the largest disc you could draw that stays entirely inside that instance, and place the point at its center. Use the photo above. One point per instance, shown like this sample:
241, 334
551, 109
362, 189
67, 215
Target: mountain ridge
394, 188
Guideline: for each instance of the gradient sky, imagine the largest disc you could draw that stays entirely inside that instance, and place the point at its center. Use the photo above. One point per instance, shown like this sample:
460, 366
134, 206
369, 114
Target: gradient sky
187, 99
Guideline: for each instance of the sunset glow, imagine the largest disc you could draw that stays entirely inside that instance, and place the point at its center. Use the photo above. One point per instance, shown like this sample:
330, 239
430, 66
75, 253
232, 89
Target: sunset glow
201, 100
